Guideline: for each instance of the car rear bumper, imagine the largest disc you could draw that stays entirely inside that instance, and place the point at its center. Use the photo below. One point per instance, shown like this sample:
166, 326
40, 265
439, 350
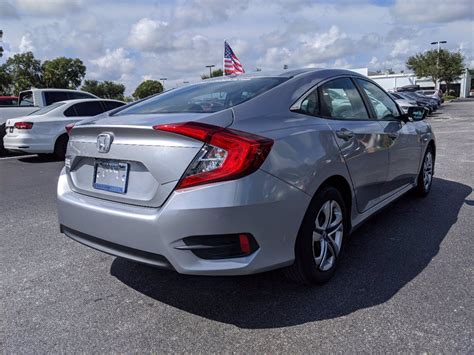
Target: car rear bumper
27, 144
260, 204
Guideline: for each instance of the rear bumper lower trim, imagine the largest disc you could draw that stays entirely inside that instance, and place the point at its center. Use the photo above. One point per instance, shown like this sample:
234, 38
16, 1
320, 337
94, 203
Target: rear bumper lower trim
117, 249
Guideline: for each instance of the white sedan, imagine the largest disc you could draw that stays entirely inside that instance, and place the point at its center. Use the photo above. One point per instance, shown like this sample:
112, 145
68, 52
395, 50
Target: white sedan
44, 131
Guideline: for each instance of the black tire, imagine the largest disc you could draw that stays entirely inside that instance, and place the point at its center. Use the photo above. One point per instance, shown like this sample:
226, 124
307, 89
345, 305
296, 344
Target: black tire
3, 132
60, 147
422, 189
305, 269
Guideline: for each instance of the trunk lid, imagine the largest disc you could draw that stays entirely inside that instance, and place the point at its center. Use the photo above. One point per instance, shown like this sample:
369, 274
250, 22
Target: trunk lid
155, 160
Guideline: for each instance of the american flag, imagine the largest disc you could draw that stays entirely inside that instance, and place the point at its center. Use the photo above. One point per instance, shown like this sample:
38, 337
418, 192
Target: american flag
231, 62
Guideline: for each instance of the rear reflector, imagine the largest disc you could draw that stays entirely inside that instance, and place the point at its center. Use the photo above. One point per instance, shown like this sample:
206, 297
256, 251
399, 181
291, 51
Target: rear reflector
225, 246
69, 128
244, 243
228, 154
23, 125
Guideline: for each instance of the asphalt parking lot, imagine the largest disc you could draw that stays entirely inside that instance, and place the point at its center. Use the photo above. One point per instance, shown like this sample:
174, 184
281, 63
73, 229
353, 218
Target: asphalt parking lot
405, 284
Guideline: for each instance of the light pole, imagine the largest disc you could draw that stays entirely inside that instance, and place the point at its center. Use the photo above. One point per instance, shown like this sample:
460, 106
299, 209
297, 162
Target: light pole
210, 67
163, 82
437, 61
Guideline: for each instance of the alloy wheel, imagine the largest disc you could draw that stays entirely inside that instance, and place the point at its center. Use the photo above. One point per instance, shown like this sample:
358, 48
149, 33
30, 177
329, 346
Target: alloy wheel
427, 170
327, 235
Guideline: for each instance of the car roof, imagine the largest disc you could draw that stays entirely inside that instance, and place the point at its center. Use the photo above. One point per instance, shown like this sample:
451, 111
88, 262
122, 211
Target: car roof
53, 89
75, 101
324, 72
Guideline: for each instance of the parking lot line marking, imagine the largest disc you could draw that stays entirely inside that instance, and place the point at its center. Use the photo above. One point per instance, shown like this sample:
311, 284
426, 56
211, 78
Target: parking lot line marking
19, 156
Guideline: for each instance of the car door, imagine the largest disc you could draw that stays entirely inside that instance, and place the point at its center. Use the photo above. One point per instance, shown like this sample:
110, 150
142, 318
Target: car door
404, 143
359, 137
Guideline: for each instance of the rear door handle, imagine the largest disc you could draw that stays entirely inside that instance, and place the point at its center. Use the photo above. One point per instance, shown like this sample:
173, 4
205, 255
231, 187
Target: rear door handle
345, 134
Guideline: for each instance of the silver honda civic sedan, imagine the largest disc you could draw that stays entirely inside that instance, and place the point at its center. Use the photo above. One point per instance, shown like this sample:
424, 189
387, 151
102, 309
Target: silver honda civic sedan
239, 175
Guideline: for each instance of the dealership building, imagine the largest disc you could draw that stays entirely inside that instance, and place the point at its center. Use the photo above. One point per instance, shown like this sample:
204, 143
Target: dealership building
461, 87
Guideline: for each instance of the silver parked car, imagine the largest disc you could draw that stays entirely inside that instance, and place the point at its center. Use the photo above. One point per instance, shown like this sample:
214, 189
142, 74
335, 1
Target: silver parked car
239, 175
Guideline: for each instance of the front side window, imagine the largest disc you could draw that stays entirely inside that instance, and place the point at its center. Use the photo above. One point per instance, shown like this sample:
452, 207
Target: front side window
205, 97
384, 107
340, 99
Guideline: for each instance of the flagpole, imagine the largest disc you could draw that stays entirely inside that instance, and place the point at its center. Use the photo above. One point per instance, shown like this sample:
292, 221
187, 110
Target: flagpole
223, 60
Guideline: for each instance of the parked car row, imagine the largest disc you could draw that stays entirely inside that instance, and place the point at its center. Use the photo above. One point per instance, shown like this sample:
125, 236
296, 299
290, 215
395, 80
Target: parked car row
44, 130
429, 99
29, 101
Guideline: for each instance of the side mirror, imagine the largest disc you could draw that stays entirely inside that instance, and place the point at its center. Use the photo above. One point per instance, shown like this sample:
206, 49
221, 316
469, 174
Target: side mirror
416, 113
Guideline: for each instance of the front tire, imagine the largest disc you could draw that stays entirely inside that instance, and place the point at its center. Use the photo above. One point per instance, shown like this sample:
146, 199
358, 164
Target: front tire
425, 177
320, 239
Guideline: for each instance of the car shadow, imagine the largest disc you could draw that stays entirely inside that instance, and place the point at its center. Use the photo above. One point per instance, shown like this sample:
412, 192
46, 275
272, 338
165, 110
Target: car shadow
40, 159
381, 257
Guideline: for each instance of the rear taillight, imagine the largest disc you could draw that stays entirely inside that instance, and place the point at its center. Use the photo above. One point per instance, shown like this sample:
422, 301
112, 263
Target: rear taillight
227, 154
23, 125
69, 128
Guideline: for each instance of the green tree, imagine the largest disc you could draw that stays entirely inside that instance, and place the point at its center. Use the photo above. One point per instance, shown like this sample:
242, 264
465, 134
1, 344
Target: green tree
147, 88
21, 72
105, 89
214, 73
5, 81
63, 73
443, 65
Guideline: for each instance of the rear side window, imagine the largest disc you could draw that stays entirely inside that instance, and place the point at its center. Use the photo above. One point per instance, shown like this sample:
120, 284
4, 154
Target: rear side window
310, 105
384, 106
26, 99
70, 112
210, 96
110, 105
51, 97
340, 99
91, 108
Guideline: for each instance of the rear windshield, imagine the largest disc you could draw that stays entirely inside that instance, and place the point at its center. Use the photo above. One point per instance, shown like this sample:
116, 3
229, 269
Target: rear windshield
46, 109
204, 97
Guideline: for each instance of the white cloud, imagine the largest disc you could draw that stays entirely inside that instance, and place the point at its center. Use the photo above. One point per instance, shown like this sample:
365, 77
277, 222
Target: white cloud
48, 7
176, 39
151, 35
26, 43
420, 11
402, 48
112, 66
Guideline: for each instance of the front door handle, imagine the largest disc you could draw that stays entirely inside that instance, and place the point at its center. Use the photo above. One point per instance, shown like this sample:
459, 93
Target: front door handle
345, 134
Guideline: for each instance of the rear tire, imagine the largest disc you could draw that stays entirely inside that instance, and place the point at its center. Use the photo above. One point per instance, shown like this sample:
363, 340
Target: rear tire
3, 132
320, 239
60, 147
425, 177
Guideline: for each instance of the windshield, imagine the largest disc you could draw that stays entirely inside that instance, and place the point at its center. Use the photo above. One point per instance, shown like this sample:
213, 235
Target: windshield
205, 97
46, 109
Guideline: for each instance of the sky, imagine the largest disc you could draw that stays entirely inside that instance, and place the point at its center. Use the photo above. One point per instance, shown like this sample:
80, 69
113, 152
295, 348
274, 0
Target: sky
129, 41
